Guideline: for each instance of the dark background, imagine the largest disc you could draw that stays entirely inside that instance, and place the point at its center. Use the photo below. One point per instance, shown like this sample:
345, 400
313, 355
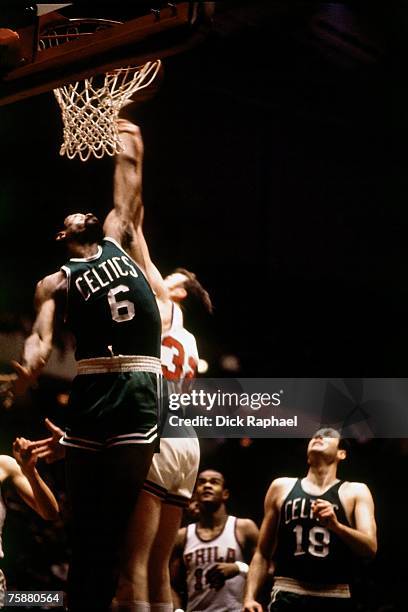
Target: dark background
275, 157
274, 168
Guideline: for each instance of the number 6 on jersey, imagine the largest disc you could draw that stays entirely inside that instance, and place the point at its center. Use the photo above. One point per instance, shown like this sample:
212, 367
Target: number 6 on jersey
122, 310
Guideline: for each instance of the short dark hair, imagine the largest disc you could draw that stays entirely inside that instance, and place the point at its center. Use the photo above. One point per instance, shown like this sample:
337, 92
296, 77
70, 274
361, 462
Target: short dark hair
194, 287
212, 469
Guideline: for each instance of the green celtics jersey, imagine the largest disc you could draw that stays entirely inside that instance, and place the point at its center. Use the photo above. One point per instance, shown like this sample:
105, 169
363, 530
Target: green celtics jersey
111, 308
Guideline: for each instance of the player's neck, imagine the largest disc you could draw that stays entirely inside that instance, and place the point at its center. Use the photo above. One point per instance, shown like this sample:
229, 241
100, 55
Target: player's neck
170, 313
166, 313
322, 475
213, 519
82, 250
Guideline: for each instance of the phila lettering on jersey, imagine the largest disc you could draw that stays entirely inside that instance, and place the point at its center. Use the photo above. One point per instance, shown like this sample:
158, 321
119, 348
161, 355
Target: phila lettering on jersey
199, 556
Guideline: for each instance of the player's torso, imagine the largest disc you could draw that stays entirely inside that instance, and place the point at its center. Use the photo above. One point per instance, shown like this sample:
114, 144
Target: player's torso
179, 355
111, 308
307, 550
199, 556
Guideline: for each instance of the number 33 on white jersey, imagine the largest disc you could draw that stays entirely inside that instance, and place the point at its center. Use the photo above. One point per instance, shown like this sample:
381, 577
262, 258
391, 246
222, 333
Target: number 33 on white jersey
179, 354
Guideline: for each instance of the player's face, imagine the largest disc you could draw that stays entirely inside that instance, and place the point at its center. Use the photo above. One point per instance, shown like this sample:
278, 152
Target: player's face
325, 443
175, 285
74, 224
210, 488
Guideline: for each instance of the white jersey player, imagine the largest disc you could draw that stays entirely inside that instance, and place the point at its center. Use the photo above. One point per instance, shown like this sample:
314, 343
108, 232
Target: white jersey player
179, 354
170, 481
173, 471
200, 557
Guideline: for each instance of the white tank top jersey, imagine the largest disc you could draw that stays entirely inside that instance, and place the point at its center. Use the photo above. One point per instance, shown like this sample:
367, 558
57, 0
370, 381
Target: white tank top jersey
179, 354
2, 519
199, 556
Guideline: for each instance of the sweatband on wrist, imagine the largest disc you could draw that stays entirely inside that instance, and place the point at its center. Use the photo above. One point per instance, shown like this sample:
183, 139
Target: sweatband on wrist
243, 568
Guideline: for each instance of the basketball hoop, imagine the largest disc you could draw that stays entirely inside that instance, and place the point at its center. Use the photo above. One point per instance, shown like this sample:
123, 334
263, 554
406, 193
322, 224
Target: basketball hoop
90, 110
91, 107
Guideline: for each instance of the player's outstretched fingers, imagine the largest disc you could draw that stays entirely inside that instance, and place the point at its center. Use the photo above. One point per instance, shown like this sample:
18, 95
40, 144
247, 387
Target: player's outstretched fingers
53, 428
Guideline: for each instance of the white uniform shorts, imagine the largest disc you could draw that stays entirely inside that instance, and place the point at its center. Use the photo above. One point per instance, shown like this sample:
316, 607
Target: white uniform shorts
173, 471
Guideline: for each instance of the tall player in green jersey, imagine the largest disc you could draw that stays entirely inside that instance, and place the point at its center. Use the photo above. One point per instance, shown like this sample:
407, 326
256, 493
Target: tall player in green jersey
313, 527
113, 411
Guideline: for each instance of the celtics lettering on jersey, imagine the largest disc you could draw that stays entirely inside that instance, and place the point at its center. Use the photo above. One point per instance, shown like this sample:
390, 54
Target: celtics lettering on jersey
104, 274
306, 549
110, 305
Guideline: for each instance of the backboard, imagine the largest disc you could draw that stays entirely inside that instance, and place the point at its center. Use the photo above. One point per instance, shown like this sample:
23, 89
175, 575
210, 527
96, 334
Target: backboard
136, 34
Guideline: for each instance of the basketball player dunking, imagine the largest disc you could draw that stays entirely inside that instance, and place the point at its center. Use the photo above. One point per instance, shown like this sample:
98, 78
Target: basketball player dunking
313, 527
114, 403
144, 582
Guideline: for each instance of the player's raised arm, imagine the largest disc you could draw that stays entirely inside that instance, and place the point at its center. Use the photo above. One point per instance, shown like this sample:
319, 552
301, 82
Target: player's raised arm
126, 214
125, 221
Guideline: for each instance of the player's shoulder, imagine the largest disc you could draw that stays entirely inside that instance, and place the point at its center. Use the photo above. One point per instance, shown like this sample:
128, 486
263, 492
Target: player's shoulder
48, 285
246, 526
281, 483
182, 332
189, 335
355, 489
279, 488
8, 467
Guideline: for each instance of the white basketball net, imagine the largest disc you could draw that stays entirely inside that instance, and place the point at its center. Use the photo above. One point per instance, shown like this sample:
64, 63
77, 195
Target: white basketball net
90, 111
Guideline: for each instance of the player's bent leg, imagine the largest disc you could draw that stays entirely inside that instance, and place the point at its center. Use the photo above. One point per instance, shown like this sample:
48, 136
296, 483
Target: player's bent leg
159, 576
142, 529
